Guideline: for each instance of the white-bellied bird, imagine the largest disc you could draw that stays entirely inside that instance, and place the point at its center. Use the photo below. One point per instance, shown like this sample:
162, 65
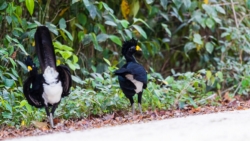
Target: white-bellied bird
132, 76
47, 88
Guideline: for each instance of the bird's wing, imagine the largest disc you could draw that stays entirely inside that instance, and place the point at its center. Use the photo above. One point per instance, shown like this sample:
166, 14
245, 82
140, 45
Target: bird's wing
44, 48
33, 92
138, 72
65, 77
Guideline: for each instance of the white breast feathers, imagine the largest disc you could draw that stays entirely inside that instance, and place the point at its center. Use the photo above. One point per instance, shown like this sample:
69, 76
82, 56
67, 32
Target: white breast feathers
52, 86
138, 84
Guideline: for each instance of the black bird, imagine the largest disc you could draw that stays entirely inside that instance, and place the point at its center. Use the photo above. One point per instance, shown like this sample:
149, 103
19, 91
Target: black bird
46, 89
132, 76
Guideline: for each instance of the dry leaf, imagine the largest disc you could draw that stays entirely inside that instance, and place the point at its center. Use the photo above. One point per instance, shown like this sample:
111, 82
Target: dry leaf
41, 125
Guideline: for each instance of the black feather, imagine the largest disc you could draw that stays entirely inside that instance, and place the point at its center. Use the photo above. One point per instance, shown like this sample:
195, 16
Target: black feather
44, 48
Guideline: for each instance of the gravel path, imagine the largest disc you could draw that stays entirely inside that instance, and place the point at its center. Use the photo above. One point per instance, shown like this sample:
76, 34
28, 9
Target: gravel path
226, 126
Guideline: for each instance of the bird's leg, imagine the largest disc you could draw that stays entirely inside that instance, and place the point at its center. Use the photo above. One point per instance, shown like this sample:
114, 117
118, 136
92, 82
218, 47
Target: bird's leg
139, 101
132, 103
47, 112
54, 106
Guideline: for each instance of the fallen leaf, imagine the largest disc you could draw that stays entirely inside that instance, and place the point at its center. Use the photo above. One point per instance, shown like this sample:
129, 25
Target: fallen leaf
41, 125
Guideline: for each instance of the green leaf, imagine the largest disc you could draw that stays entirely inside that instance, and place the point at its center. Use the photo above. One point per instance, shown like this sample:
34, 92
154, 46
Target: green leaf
30, 4
74, 1
189, 46
166, 29
107, 61
111, 23
9, 82
94, 40
220, 9
209, 47
102, 37
135, 6
149, 1
164, 3
178, 3
115, 39
4, 5
124, 23
66, 54
142, 21
197, 38
62, 23
128, 32
210, 23
82, 19
187, 3
140, 30
248, 4
208, 75
75, 59
68, 34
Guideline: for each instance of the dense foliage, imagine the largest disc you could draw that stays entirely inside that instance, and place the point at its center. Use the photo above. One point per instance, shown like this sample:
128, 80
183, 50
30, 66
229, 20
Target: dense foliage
192, 49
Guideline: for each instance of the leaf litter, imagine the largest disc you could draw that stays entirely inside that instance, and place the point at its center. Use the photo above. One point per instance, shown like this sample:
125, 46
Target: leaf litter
119, 118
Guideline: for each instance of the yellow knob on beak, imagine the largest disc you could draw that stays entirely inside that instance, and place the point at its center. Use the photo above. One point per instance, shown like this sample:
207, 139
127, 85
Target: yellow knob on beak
29, 68
137, 48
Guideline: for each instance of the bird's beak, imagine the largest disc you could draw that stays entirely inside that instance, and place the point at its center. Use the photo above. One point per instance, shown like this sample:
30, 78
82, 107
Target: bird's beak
29, 68
137, 48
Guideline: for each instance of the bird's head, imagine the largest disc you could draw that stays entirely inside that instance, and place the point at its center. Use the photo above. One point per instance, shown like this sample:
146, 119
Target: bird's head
130, 46
29, 63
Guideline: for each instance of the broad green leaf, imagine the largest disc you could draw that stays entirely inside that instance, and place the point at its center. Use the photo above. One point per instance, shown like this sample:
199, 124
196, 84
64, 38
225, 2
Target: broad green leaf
197, 38
208, 74
62, 23
209, 47
9, 19
9, 82
210, 23
189, 46
135, 6
220, 9
187, 3
124, 23
178, 3
66, 54
140, 30
102, 37
115, 39
4, 5
128, 32
111, 23
75, 59
82, 19
30, 4
209, 10
164, 3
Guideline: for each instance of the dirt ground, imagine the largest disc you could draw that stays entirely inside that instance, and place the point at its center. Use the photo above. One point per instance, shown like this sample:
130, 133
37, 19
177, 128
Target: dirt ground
225, 126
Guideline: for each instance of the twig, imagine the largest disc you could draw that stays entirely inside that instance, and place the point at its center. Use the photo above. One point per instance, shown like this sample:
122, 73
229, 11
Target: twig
235, 17
55, 15
227, 3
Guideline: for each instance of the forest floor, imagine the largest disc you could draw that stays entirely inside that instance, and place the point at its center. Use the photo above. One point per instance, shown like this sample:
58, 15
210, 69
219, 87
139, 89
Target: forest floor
201, 123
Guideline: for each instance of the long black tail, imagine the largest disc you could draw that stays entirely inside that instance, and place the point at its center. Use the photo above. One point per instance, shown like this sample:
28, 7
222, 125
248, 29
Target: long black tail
45, 48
